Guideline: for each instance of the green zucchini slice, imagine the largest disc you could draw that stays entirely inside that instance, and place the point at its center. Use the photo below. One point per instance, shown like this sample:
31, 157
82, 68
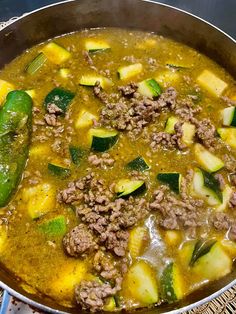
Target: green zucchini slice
207, 160
60, 97
56, 53
129, 71
102, 139
189, 131
59, 171
36, 64
126, 187
201, 248
173, 179
138, 164
229, 116
55, 226
76, 154
170, 125
206, 186
228, 135
91, 80
171, 283
95, 45
149, 88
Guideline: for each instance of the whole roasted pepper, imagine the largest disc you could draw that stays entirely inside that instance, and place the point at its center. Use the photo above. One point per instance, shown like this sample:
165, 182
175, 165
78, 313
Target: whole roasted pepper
15, 129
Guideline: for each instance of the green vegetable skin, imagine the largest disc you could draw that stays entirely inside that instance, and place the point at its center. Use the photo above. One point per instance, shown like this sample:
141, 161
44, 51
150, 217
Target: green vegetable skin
15, 129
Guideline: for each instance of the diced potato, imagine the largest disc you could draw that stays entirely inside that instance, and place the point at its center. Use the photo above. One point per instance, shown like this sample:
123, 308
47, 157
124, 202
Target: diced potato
136, 240
56, 53
39, 199
212, 83
62, 288
85, 119
3, 237
172, 237
141, 284
5, 88
214, 264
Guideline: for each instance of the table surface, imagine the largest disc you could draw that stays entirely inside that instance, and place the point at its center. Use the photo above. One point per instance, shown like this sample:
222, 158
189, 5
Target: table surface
219, 12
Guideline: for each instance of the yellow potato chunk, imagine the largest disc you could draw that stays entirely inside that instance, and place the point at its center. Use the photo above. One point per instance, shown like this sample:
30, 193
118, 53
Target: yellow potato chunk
212, 83
5, 88
39, 199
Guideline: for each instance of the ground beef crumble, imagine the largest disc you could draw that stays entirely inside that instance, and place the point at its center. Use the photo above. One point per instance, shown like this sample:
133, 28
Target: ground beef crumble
103, 161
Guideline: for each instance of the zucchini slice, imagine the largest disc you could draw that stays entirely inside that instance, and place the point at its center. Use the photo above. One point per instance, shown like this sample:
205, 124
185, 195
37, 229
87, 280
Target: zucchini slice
85, 119
110, 305
102, 139
206, 186
141, 283
149, 88
207, 160
59, 171
5, 88
189, 131
138, 164
31, 93
55, 226
201, 248
126, 187
76, 154
137, 238
228, 135
176, 67
36, 63
64, 73
167, 77
172, 283
173, 179
56, 53
170, 125
212, 83
94, 45
60, 97
91, 80
229, 116
129, 71
226, 194
214, 264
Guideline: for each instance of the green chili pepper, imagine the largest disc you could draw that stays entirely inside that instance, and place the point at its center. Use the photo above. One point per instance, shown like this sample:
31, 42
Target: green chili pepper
15, 129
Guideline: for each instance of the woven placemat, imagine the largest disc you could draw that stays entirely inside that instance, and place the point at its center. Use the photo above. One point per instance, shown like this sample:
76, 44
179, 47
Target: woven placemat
224, 304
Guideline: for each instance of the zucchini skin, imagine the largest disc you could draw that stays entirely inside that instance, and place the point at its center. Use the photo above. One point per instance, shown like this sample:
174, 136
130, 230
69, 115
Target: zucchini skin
100, 144
15, 130
138, 164
60, 97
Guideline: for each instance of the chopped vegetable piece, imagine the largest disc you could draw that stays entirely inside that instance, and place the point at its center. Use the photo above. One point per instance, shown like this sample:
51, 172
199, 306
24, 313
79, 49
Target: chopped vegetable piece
147, 44
39, 199
126, 187
102, 139
76, 154
172, 283
229, 116
59, 97
189, 131
170, 125
172, 237
176, 67
59, 171
3, 237
167, 78
149, 88
228, 135
201, 248
42, 150
85, 119
55, 226
212, 83
229, 247
138, 164
36, 64
56, 53
213, 265
226, 194
206, 186
5, 88
15, 128
94, 45
110, 305
129, 71
207, 160
137, 238
141, 283
173, 179
31, 93
91, 80
64, 73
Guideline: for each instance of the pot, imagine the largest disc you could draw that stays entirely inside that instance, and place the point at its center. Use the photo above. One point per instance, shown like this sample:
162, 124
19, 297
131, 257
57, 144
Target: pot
72, 15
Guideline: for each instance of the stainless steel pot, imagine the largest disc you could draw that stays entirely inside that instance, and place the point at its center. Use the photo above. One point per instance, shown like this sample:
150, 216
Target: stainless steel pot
72, 15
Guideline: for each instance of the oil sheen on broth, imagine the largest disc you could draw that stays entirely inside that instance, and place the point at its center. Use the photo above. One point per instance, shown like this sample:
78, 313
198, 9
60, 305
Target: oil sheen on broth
127, 198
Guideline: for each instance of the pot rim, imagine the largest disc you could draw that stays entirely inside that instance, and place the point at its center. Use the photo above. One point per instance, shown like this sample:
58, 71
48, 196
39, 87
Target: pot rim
209, 298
